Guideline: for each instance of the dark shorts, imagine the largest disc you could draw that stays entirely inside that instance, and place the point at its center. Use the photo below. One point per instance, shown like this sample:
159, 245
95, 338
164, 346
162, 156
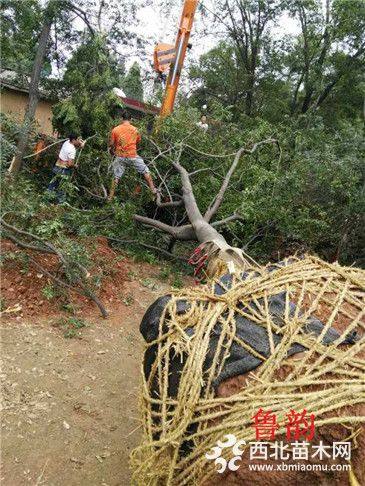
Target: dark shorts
62, 170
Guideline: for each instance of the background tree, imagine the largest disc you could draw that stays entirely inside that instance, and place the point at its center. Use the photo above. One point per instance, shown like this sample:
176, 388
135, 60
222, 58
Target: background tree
330, 47
20, 25
218, 76
259, 70
95, 72
48, 17
132, 84
247, 24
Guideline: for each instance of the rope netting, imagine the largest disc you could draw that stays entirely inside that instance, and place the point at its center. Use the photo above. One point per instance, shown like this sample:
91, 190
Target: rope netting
324, 381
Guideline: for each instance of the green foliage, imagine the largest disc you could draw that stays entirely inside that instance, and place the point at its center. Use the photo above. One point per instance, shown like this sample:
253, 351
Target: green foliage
177, 281
254, 72
218, 73
88, 109
20, 27
132, 83
15, 257
2, 304
301, 200
128, 300
49, 292
71, 326
10, 130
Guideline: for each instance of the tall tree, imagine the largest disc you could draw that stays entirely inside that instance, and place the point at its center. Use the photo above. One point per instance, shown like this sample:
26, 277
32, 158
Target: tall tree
246, 23
330, 47
218, 76
20, 30
132, 84
91, 74
48, 17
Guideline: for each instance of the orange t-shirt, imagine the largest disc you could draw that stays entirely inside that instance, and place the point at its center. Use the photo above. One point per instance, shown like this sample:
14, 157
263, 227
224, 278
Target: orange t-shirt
124, 138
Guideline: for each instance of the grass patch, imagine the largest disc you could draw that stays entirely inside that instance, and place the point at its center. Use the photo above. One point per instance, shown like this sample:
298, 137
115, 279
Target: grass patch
71, 326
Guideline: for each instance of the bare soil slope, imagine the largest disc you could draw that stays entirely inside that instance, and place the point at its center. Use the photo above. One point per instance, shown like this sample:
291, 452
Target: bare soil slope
70, 406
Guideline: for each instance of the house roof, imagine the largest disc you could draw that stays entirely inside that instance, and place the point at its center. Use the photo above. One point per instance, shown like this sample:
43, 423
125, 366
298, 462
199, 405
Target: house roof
12, 80
139, 106
17, 82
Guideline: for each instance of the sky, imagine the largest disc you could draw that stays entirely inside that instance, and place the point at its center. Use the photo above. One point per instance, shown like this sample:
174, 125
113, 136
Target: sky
161, 25
159, 21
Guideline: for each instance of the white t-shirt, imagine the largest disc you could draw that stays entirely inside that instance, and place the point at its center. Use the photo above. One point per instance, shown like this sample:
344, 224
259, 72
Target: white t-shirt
67, 152
203, 126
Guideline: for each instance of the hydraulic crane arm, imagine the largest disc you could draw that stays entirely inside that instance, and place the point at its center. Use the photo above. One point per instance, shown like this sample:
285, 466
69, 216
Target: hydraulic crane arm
181, 44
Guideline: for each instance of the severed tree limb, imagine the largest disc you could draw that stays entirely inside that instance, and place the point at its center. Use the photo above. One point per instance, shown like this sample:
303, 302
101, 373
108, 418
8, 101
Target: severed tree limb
96, 196
171, 230
45, 148
203, 230
30, 235
86, 292
49, 248
27, 246
184, 233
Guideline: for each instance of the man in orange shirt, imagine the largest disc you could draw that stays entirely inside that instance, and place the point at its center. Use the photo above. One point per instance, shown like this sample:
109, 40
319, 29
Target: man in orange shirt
123, 144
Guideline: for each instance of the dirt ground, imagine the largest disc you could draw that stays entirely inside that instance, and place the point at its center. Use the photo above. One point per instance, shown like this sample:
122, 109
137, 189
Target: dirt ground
70, 405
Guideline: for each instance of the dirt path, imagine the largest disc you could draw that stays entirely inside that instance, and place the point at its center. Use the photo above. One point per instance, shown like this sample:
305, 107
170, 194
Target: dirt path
71, 405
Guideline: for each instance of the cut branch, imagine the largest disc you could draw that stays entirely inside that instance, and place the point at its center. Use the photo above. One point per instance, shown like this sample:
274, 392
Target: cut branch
27, 246
159, 225
49, 248
203, 230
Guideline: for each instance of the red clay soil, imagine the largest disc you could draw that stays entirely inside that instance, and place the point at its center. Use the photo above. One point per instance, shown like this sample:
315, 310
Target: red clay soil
24, 284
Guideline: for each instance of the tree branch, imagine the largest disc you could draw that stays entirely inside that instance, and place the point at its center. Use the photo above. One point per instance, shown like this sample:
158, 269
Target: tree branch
229, 219
168, 204
82, 15
27, 246
213, 208
203, 230
49, 248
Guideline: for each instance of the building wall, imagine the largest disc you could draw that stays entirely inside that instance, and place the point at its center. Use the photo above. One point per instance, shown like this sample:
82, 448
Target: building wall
14, 102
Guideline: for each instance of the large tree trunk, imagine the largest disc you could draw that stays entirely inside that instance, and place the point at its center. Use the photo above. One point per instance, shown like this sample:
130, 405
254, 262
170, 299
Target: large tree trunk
33, 88
201, 228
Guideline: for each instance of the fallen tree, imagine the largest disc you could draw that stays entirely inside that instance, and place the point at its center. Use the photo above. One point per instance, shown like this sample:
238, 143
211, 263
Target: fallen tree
201, 227
281, 338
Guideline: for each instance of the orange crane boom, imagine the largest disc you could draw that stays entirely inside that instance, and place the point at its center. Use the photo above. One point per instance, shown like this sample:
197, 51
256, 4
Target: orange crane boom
181, 44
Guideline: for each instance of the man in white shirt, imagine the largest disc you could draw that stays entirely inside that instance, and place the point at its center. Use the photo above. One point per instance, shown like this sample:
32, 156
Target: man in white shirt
64, 165
203, 123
